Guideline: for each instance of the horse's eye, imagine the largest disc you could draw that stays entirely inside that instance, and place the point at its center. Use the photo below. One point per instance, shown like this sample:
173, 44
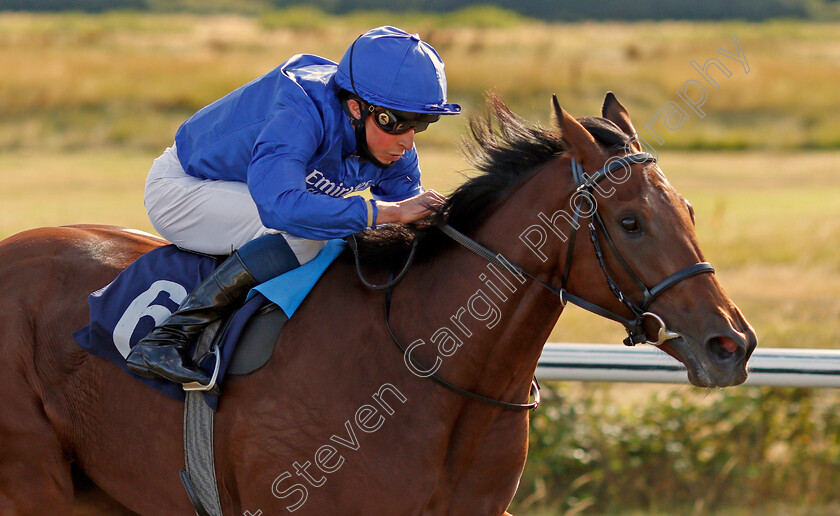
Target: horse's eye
630, 225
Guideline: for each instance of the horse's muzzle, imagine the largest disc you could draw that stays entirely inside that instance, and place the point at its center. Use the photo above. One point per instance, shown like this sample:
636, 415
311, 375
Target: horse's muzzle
721, 360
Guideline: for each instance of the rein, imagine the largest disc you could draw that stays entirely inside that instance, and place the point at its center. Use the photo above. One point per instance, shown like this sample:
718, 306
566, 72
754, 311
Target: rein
635, 326
535, 386
388, 287
392, 282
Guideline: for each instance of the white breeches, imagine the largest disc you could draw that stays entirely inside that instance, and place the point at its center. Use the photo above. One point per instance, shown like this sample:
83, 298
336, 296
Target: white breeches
208, 216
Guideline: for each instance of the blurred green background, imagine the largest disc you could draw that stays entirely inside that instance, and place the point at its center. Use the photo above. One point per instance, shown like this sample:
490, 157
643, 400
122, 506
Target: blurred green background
88, 100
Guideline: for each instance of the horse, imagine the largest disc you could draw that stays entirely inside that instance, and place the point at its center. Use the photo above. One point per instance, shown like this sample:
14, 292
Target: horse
339, 421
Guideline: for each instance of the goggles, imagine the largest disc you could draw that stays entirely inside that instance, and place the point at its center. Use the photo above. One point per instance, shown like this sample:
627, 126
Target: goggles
393, 121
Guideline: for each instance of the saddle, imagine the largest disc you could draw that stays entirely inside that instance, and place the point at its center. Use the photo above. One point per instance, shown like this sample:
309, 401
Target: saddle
255, 343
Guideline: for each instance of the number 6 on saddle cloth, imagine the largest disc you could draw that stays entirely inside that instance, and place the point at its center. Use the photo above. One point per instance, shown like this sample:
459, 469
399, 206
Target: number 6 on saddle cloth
151, 288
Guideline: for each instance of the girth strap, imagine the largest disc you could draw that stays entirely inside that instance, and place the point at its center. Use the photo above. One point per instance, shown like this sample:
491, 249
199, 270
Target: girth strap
199, 476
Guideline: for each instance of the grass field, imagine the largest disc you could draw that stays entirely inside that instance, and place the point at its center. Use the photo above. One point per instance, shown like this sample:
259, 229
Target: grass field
87, 102
129, 80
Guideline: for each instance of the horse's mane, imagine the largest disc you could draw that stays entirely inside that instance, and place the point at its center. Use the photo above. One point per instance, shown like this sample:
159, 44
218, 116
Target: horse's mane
505, 149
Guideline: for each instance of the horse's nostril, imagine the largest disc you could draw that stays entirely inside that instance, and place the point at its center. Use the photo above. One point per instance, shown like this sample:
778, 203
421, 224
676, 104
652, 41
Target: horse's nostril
728, 344
723, 348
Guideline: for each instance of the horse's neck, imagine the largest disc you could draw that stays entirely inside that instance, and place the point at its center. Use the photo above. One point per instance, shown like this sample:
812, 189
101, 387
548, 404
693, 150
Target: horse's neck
498, 320
481, 324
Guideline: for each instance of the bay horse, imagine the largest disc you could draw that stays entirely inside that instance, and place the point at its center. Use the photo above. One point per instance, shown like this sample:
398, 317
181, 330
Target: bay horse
338, 421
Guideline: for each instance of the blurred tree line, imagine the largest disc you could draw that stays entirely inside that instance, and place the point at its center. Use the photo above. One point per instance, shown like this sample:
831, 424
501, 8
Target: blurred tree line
549, 10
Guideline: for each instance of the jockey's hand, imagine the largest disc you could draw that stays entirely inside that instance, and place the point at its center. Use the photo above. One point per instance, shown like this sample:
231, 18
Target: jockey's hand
409, 210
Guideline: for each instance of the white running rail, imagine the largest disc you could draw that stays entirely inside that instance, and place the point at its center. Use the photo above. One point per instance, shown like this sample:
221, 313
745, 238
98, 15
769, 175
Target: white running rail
615, 363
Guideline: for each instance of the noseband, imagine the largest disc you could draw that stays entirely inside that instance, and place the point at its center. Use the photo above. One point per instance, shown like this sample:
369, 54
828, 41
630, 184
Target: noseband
635, 326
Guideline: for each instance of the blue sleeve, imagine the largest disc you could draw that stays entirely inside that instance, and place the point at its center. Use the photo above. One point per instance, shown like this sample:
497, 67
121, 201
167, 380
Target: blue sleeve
402, 180
277, 182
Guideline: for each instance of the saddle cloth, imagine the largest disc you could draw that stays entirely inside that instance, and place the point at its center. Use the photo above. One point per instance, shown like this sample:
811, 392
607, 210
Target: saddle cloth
153, 286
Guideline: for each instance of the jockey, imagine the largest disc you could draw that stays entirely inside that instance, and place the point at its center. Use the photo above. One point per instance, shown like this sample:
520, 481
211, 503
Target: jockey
263, 173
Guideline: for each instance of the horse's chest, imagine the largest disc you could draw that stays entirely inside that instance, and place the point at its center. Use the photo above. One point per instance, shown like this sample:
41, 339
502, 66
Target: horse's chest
481, 481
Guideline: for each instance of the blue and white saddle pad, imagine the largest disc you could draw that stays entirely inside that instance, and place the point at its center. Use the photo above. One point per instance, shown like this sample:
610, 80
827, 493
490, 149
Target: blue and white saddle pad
154, 285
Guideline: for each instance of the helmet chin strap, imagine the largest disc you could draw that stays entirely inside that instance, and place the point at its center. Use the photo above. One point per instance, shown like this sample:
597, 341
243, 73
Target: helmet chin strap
361, 136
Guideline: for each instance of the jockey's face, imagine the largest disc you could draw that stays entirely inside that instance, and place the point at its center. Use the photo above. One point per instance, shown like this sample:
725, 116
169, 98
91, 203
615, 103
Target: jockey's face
386, 147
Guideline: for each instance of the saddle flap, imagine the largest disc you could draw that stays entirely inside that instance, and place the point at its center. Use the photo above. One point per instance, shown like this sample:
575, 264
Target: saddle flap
254, 345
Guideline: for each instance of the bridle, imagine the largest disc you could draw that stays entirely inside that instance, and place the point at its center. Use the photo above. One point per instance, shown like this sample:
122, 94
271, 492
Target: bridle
635, 326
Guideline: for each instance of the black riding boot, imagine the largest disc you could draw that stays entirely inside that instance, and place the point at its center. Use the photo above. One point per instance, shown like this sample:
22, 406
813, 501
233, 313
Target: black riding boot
165, 352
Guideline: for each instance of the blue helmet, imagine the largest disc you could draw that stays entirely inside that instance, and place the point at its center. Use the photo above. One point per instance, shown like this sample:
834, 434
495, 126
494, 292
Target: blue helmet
391, 68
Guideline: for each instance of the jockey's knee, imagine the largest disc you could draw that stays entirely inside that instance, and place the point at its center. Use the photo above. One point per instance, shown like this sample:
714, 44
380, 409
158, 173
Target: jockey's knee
268, 256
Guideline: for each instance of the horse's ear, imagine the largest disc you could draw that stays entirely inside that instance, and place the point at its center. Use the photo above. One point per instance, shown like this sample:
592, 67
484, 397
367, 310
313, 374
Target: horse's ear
613, 111
582, 145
